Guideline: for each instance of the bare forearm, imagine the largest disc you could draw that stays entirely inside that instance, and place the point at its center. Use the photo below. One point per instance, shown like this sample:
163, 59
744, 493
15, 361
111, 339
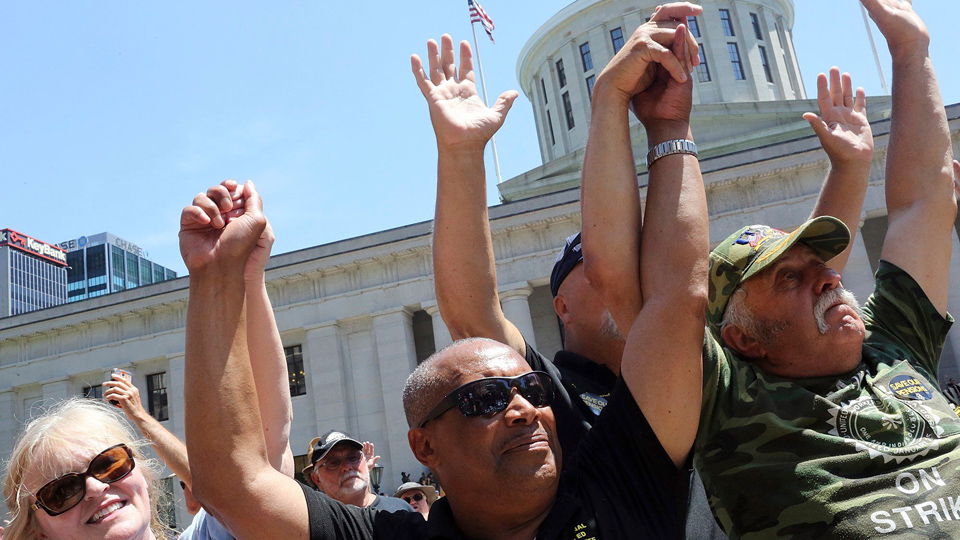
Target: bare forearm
270, 375
224, 433
168, 447
465, 271
919, 158
666, 337
610, 203
842, 197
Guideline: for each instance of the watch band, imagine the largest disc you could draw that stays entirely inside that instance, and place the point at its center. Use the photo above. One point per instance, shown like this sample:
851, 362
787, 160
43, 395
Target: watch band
666, 148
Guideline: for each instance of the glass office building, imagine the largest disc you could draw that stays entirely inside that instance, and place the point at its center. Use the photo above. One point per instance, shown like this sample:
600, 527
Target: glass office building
33, 274
105, 263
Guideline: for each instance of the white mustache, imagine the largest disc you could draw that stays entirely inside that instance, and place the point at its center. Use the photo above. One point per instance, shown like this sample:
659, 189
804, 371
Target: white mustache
830, 299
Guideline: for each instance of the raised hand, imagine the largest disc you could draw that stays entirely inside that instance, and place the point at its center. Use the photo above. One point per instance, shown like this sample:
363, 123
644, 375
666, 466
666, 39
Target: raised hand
253, 270
369, 454
221, 227
666, 98
460, 118
651, 48
125, 394
842, 125
899, 24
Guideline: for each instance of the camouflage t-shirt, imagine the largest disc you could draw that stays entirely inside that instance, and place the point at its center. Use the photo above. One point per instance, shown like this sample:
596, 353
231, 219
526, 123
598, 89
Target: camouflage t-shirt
867, 454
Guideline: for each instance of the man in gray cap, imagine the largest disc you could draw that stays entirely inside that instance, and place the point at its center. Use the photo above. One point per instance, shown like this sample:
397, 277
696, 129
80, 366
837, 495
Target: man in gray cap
340, 467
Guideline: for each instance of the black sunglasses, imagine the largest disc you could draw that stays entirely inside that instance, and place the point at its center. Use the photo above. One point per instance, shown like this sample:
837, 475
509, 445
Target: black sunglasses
63, 493
415, 497
493, 394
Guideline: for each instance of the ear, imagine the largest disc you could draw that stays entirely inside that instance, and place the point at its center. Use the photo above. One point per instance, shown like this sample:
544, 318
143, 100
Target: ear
316, 479
420, 445
743, 343
563, 311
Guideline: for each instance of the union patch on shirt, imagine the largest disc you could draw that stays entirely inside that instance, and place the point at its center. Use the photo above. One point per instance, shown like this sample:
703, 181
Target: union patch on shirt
595, 402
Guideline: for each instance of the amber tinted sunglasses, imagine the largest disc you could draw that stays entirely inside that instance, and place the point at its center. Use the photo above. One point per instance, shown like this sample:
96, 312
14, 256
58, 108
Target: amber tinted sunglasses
63, 493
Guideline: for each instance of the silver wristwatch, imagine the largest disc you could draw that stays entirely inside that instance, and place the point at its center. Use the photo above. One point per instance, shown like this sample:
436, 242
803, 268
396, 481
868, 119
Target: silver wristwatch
666, 148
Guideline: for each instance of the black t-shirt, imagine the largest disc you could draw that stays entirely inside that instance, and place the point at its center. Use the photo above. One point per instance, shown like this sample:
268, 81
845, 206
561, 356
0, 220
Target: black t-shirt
583, 391
620, 483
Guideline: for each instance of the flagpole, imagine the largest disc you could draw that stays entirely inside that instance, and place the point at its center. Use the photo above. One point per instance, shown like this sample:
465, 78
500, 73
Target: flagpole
876, 56
483, 85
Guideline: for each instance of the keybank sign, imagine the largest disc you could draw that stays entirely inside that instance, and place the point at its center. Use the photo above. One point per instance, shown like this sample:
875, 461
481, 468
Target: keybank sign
14, 239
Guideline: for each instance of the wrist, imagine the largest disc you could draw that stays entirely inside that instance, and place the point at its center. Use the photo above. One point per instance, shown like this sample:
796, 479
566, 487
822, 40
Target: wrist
910, 52
852, 167
607, 94
659, 131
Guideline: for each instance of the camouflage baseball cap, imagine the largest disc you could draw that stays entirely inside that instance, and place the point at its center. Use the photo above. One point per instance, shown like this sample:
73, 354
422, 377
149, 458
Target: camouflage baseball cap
751, 249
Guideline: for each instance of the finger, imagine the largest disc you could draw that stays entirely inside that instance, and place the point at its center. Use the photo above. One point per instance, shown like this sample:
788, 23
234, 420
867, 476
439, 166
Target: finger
232, 186
416, 65
433, 56
819, 126
823, 94
694, 49
210, 208
447, 60
505, 102
847, 84
860, 104
466, 62
191, 215
836, 90
666, 58
678, 11
221, 197
253, 204
679, 47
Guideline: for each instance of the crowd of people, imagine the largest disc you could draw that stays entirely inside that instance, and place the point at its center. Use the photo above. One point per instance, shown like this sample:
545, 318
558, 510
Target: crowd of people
739, 392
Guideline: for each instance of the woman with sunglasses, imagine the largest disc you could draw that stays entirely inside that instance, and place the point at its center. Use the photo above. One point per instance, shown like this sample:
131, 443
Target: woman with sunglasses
78, 472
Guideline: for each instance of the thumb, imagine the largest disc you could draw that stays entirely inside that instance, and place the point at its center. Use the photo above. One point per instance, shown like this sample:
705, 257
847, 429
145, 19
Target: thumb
505, 102
817, 123
252, 203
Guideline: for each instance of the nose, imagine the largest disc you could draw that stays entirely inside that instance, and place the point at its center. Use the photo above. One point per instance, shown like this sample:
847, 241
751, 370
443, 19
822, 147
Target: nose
94, 488
520, 412
828, 280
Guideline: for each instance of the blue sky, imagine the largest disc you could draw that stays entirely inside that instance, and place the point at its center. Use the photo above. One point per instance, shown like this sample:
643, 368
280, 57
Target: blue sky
114, 114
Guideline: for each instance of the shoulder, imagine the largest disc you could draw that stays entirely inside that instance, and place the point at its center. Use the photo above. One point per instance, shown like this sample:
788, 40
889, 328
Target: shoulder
391, 504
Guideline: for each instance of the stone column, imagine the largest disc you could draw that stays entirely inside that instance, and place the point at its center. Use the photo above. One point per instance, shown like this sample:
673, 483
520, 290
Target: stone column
858, 275
327, 384
175, 400
514, 299
953, 364
441, 336
8, 422
397, 355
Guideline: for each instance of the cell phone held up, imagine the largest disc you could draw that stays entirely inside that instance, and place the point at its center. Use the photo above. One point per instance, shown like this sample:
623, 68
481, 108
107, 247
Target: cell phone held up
123, 374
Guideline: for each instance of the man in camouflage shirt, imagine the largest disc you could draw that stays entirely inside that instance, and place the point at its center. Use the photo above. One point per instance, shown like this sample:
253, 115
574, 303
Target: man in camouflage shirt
821, 419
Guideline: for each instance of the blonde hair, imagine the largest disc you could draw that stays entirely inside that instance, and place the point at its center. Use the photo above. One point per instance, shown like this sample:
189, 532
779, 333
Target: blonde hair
69, 424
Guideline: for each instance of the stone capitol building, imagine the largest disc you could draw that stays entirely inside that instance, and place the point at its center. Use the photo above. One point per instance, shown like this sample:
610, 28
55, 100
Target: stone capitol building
357, 315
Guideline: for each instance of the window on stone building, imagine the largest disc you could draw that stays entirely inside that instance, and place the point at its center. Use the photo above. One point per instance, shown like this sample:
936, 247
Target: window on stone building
703, 70
568, 110
755, 22
694, 27
616, 36
93, 392
561, 74
873, 231
586, 57
424, 341
299, 462
543, 90
765, 63
298, 383
735, 60
553, 139
591, 80
727, 23
157, 396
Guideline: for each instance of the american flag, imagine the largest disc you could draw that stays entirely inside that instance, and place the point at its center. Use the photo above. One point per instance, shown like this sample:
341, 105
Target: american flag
478, 15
